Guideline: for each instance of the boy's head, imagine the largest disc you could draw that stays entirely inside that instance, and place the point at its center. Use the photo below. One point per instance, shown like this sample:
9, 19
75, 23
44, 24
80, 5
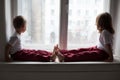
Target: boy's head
104, 21
19, 24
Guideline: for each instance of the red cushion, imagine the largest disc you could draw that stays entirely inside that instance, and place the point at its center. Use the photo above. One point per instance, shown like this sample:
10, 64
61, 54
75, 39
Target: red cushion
84, 54
32, 55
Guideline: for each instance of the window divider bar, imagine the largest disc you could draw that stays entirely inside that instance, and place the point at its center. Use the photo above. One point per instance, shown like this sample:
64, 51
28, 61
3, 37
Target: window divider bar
63, 24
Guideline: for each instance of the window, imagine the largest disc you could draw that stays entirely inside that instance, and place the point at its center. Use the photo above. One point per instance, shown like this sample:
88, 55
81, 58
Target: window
52, 12
42, 27
84, 34
44, 23
79, 12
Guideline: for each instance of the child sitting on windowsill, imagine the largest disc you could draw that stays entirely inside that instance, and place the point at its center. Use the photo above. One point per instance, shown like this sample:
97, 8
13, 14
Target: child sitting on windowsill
102, 52
13, 47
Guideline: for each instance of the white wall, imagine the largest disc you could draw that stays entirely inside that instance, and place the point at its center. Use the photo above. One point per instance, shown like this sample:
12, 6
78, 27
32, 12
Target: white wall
115, 11
117, 48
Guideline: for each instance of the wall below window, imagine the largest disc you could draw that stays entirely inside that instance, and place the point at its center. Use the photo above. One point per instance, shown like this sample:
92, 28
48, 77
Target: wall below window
61, 71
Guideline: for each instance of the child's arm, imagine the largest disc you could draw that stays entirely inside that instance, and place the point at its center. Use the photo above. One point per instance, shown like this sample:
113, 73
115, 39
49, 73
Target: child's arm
110, 58
7, 51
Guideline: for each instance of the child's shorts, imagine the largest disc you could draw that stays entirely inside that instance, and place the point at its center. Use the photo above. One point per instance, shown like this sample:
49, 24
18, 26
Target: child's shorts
32, 55
84, 54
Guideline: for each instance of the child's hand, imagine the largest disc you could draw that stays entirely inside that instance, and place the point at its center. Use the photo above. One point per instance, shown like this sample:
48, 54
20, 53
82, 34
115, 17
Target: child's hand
109, 60
7, 58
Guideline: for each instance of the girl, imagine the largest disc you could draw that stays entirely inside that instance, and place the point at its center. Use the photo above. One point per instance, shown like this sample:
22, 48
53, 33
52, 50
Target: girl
102, 52
13, 47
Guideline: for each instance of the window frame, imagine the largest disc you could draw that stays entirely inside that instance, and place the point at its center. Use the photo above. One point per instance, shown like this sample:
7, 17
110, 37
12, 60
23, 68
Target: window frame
64, 8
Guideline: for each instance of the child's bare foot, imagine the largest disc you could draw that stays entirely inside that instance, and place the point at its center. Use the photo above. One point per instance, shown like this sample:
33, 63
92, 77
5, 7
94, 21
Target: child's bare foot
53, 56
60, 56
109, 60
56, 53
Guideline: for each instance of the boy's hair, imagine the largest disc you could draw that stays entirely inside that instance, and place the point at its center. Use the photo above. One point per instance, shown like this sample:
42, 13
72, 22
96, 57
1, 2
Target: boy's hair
18, 21
104, 21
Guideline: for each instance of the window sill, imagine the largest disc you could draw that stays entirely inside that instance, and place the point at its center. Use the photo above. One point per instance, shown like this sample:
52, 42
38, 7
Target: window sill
61, 67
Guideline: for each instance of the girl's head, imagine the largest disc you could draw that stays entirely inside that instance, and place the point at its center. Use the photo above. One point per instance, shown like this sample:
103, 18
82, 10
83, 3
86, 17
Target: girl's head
19, 24
104, 21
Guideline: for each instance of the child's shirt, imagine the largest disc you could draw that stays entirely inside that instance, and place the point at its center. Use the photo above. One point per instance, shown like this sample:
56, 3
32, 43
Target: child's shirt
105, 38
15, 42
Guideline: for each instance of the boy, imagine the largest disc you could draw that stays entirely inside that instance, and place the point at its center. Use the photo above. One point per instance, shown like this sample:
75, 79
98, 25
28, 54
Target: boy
13, 47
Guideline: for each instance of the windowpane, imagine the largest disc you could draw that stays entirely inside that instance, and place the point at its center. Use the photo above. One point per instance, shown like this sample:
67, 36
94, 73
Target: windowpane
42, 23
82, 31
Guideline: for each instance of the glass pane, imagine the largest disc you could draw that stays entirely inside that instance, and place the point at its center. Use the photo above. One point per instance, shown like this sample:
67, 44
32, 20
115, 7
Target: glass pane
82, 30
42, 23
